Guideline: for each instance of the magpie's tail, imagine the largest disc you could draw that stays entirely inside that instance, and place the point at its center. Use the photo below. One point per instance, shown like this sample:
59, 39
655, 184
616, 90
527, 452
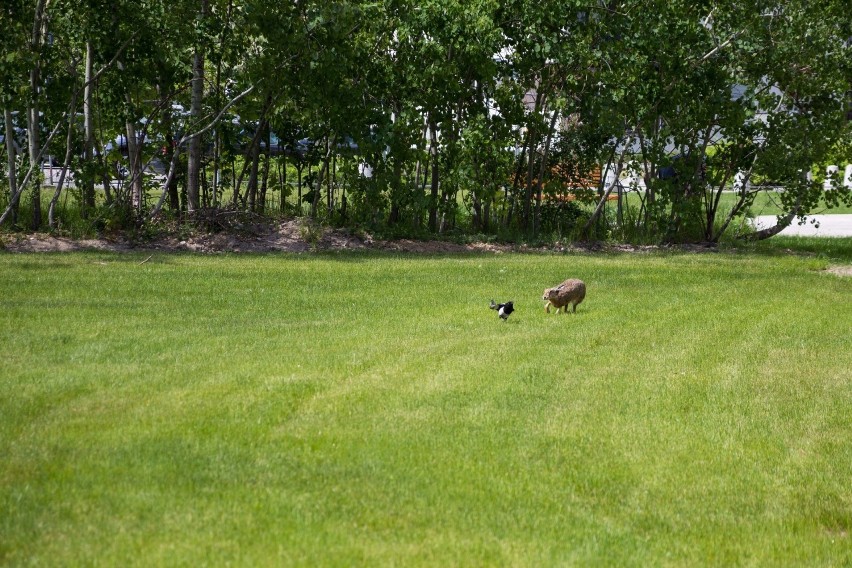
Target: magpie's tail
493, 305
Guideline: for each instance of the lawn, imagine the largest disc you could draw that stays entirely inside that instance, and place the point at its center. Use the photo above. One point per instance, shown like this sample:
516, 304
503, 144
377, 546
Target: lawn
765, 203
369, 409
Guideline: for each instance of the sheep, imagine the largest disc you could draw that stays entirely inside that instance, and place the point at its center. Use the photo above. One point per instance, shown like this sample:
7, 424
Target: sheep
572, 291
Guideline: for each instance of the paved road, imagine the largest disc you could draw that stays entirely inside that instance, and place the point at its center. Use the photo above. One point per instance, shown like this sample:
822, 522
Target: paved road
815, 226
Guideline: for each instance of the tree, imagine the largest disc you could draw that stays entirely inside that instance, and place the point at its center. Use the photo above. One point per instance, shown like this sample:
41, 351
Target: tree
746, 91
466, 113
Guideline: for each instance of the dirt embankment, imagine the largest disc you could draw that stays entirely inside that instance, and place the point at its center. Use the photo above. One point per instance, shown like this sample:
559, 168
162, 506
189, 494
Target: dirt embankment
287, 236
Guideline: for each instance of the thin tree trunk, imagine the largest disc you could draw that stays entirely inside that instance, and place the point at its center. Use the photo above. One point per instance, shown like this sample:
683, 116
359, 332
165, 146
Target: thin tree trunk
217, 135
106, 180
33, 146
648, 172
712, 207
331, 182
172, 187
283, 177
322, 173
32, 111
31, 171
299, 167
249, 165
51, 212
264, 182
317, 189
87, 184
11, 155
782, 224
741, 201
250, 159
476, 201
530, 166
251, 191
542, 170
188, 138
193, 170
135, 175
602, 202
517, 179
418, 169
433, 152
396, 191
619, 214
205, 185
528, 190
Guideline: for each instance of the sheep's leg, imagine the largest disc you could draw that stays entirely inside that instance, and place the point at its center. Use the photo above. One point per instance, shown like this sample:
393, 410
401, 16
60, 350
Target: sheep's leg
547, 308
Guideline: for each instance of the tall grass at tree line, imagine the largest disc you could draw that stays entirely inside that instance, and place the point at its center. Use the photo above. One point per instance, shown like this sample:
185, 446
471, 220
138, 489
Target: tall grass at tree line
369, 409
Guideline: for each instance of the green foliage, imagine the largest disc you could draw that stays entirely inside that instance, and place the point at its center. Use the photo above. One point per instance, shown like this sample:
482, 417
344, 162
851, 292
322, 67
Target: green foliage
562, 218
510, 88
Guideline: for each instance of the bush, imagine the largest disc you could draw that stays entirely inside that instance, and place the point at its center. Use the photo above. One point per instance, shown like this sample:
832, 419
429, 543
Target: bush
561, 218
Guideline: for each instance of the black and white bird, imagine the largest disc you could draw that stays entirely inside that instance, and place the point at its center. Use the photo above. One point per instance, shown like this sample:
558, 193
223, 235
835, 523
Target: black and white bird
503, 310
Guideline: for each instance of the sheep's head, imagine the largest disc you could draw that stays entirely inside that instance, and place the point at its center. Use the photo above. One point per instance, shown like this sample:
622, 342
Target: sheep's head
550, 294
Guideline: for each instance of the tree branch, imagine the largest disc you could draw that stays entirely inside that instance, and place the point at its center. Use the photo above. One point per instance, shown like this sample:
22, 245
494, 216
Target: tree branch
186, 138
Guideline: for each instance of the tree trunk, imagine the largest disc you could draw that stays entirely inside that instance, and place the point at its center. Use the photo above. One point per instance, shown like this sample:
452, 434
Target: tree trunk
331, 182
396, 192
619, 215
516, 181
193, 169
251, 191
299, 167
51, 212
419, 176
782, 223
32, 130
433, 152
106, 179
530, 166
134, 159
542, 171
320, 176
87, 184
11, 154
529, 187
32, 110
602, 202
171, 186
31, 171
283, 177
486, 215
264, 179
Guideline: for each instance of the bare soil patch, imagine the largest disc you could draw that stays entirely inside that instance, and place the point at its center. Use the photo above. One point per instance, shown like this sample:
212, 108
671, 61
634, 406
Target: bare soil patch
295, 236
840, 270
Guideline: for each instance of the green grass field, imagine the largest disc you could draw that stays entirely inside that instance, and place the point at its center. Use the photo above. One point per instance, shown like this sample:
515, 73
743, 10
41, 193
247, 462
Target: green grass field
369, 409
765, 203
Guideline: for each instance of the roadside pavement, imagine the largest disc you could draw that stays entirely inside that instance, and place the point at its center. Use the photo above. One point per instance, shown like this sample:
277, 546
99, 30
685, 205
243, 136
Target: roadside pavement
815, 226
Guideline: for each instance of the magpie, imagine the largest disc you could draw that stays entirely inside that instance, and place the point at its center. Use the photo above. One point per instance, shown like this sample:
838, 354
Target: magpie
503, 310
